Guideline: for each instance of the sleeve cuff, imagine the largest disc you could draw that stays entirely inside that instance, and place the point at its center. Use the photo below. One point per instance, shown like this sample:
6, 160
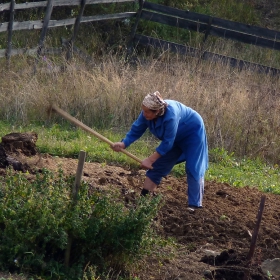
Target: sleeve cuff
160, 152
125, 142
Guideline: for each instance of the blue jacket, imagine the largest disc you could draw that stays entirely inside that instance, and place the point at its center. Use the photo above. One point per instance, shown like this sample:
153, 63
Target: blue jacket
182, 126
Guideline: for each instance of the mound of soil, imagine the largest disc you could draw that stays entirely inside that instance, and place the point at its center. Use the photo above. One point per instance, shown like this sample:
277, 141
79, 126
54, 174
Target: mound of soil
14, 146
214, 241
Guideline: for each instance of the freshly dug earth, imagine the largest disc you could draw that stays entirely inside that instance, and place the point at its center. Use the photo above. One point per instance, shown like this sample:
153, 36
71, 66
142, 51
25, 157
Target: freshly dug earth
214, 241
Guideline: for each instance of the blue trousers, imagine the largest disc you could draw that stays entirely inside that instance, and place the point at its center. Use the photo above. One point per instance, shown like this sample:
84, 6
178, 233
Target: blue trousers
164, 165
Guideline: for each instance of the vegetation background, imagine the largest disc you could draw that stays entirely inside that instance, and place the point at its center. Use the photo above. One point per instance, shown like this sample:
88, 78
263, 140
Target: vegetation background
240, 108
215, 90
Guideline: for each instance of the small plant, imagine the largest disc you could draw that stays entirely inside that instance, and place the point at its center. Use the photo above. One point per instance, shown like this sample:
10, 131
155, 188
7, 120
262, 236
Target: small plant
191, 247
269, 275
223, 217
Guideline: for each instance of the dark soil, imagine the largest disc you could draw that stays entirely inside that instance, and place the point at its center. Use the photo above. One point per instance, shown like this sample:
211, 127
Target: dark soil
214, 241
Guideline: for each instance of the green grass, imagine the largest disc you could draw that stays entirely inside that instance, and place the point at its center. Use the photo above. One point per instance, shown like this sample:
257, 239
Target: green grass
226, 168
243, 172
67, 141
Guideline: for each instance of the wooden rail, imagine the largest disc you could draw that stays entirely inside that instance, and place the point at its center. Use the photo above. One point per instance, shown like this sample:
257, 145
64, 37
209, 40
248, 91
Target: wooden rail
56, 3
253, 35
38, 24
213, 30
240, 28
32, 52
261, 37
189, 51
147, 11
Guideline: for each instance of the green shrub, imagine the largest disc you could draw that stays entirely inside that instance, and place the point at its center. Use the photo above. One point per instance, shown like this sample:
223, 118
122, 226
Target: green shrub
116, 234
38, 216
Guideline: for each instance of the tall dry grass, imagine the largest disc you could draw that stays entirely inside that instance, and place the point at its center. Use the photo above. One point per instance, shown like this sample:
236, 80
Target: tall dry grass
240, 109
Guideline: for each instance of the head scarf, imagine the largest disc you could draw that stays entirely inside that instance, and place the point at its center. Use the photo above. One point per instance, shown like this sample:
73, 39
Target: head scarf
154, 101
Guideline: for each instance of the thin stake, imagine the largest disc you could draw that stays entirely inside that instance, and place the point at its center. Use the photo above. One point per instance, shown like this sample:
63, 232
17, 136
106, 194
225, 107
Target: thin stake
254, 238
256, 231
79, 174
75, 190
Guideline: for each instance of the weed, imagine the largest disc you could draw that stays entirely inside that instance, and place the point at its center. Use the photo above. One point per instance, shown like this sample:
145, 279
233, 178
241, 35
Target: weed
223, 217
269, 275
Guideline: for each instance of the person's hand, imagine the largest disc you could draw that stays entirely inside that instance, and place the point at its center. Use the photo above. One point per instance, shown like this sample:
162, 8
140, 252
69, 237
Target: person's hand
147, 163
118, 146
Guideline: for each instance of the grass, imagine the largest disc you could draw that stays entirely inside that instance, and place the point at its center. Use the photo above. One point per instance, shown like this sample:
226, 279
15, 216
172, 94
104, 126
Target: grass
244, 172
233, 104
225, 167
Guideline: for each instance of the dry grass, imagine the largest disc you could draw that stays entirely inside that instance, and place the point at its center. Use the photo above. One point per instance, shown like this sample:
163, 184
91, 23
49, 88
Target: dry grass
240, 109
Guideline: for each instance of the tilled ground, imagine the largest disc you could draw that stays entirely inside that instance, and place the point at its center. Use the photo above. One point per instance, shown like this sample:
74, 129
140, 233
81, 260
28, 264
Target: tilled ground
214, 241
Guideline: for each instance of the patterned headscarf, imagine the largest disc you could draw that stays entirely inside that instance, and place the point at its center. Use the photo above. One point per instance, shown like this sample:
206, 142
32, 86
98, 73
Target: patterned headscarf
154, 101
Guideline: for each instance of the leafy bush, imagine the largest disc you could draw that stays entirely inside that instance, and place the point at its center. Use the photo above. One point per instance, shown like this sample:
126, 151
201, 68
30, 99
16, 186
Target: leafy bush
116, 233
38, 216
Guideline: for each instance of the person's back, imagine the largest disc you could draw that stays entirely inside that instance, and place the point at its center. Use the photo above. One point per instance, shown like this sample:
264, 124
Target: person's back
189, 119
183, 138
179, 109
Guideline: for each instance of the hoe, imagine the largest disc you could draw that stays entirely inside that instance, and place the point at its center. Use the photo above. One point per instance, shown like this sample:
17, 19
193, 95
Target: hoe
88, 129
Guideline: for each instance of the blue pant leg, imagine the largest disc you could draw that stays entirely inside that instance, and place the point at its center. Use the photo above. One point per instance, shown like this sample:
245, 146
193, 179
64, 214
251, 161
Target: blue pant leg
163, 165
195, 190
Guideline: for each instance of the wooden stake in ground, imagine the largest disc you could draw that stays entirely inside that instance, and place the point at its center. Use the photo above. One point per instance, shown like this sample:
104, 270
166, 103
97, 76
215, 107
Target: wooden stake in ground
75, 190
256, 231
254, 237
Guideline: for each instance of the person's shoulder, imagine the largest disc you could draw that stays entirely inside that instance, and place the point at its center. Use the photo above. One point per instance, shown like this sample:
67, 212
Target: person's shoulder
176, 103
171, 108
172, 102
169, 101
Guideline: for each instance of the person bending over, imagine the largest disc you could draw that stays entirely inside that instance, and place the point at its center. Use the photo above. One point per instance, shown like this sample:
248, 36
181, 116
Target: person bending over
183, 139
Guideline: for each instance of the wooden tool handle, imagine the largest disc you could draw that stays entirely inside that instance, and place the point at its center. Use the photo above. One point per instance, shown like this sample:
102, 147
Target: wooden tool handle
88, 129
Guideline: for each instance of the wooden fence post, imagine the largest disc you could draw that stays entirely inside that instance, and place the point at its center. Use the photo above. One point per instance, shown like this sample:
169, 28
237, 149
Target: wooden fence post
133, 31
45, 26
44, 30
10, 32
75, 190
76, 27
208, 29
201, 50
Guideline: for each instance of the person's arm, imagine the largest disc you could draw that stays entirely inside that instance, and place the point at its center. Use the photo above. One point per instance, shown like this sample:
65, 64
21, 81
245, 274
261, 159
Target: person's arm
170, 132
136, 131
166, 144
148, 162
